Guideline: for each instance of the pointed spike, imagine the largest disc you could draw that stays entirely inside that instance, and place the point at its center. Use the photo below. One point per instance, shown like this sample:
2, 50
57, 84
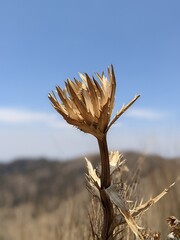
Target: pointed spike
80, 106
93, 95
123, 110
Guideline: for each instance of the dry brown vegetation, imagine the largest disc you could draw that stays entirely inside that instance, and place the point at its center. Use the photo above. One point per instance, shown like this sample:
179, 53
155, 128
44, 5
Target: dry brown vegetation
57, 209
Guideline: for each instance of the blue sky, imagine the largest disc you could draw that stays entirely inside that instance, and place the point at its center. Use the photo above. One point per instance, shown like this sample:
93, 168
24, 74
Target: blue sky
44, 42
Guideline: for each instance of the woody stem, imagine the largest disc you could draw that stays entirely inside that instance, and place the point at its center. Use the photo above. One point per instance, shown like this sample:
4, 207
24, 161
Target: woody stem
104, 154
105, 183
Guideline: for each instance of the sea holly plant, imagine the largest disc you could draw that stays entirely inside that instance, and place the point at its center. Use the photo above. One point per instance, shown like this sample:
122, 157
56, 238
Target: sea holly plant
88, 105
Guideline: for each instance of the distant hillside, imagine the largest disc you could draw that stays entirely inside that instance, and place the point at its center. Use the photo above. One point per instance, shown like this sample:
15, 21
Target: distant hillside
41, 180
44, 197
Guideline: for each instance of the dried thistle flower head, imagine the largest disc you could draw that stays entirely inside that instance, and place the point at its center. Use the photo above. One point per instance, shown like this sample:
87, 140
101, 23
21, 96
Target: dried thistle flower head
88, 104
174, 225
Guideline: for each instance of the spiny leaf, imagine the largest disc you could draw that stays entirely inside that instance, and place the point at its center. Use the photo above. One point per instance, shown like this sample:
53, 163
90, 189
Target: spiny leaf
123, 110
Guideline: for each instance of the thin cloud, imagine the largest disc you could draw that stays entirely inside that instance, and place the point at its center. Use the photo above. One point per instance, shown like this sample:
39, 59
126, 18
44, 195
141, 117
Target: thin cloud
19, 116
22, 116
147, 114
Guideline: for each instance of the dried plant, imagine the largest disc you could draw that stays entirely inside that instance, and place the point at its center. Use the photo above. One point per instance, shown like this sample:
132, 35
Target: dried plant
123, 194
174, 225
88, 105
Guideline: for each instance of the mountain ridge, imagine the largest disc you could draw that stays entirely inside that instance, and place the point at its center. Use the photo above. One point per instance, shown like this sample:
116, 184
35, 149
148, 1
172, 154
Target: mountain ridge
28, 180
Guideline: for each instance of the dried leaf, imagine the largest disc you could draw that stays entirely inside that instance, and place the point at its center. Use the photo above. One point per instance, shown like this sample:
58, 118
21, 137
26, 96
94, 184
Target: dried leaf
116, 199
144, 207
123, 110
92, 172
115, 161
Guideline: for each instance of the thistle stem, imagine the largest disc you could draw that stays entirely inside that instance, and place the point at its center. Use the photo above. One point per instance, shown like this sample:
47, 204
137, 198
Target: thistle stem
108, 212
104, 155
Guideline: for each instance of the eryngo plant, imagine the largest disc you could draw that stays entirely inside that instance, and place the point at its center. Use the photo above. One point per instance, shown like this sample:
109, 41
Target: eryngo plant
88, 105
